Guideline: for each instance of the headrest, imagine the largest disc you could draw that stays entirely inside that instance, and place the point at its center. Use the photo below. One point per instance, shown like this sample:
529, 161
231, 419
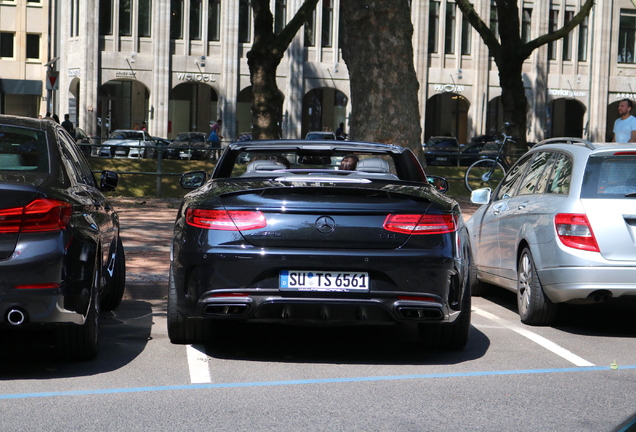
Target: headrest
373, 165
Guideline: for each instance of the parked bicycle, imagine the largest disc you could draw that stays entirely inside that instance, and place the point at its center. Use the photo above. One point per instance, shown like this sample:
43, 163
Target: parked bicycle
489, 172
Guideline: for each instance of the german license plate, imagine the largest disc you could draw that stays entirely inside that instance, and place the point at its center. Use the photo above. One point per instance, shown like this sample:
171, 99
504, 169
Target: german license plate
441, 158
309, 280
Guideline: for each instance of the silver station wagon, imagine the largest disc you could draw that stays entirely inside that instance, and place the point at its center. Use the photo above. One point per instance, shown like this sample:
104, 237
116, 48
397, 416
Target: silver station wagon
560, 227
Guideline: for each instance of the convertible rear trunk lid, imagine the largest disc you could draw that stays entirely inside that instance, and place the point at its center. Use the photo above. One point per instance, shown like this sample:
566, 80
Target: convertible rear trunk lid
327, 217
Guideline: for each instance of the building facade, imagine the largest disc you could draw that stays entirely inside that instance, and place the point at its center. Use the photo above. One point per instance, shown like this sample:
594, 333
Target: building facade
181, 64
24, 54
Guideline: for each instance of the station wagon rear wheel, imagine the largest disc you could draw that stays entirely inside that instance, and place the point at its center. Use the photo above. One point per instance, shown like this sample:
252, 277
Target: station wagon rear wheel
535, 308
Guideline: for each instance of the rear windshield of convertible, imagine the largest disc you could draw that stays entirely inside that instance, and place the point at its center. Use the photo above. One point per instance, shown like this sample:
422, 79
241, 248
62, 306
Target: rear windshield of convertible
23, 149
259, 163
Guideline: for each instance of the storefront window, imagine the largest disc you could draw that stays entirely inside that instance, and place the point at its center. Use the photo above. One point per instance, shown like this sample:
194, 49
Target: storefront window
214, 20
145, 18
626, 38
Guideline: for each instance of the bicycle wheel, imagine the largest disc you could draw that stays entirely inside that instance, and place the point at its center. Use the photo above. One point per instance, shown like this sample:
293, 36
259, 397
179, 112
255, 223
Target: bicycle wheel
484, 173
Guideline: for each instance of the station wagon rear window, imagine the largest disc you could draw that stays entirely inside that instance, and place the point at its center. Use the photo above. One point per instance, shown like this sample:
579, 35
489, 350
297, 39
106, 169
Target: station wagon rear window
610, 177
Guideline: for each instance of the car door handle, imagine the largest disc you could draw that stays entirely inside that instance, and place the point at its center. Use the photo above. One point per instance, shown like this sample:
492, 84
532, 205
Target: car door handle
522, 206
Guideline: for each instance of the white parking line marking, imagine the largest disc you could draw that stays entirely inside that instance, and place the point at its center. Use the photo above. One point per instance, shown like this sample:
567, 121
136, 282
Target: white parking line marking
198, 363
545, 343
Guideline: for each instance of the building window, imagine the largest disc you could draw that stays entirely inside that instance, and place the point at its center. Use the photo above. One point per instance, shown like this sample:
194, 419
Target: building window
526, 25
494, 21
195, 20
567, 39
214, 20
176, 19
327, 23
310, 30
583, 29
145, 18
34, 1
245, 17
33, 46
433, 26
467, 36
280, 16
6, 45
125, 15
626, 36
106, 17
449, 37
553, 22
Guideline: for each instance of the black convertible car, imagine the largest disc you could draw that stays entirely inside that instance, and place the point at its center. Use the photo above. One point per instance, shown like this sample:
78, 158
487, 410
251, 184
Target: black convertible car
61, 258
320, 232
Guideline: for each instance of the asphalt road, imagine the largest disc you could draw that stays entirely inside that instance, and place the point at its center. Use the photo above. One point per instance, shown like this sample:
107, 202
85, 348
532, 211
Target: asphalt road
579, 375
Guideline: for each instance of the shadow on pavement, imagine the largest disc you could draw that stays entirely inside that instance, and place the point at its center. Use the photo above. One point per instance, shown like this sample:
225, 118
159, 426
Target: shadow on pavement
124, 334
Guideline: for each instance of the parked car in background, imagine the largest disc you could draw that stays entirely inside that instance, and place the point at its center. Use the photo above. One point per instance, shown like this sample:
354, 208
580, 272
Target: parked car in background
320, 135
285, 236
83, 141
441, 150
560, 227
189, 145
61, 256
123, 143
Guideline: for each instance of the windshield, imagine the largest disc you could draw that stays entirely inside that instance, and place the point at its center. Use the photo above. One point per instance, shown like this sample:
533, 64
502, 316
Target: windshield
23, 149
127, 135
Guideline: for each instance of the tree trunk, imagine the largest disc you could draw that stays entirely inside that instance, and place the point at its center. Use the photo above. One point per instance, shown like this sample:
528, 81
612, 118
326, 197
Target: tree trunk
377, 48
514, 103
263, 60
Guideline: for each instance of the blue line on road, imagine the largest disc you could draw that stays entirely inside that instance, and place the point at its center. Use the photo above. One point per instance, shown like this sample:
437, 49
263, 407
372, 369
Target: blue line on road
307, 381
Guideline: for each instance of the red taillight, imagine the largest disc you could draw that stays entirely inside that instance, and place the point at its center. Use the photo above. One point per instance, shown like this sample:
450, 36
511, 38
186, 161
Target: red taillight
420, 224
625, 153
417, 298
233, 220
38, 286
39, 215
575, 231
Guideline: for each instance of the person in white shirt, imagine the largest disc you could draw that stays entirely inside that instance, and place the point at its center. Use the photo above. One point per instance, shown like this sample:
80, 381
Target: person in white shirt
625, 125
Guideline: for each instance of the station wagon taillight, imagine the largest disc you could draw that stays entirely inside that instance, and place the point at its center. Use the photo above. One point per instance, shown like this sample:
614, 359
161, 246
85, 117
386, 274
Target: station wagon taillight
574, 230
39, 215
420, 224
232, 220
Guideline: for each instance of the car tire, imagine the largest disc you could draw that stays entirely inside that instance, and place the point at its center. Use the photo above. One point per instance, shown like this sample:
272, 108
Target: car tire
80, 342
450, 337
184, 330
535, 308
116, 285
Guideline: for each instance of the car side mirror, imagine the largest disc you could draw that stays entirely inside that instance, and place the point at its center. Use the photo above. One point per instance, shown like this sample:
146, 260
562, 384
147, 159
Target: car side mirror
108, 181
439, 183
193, 179
480, 196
